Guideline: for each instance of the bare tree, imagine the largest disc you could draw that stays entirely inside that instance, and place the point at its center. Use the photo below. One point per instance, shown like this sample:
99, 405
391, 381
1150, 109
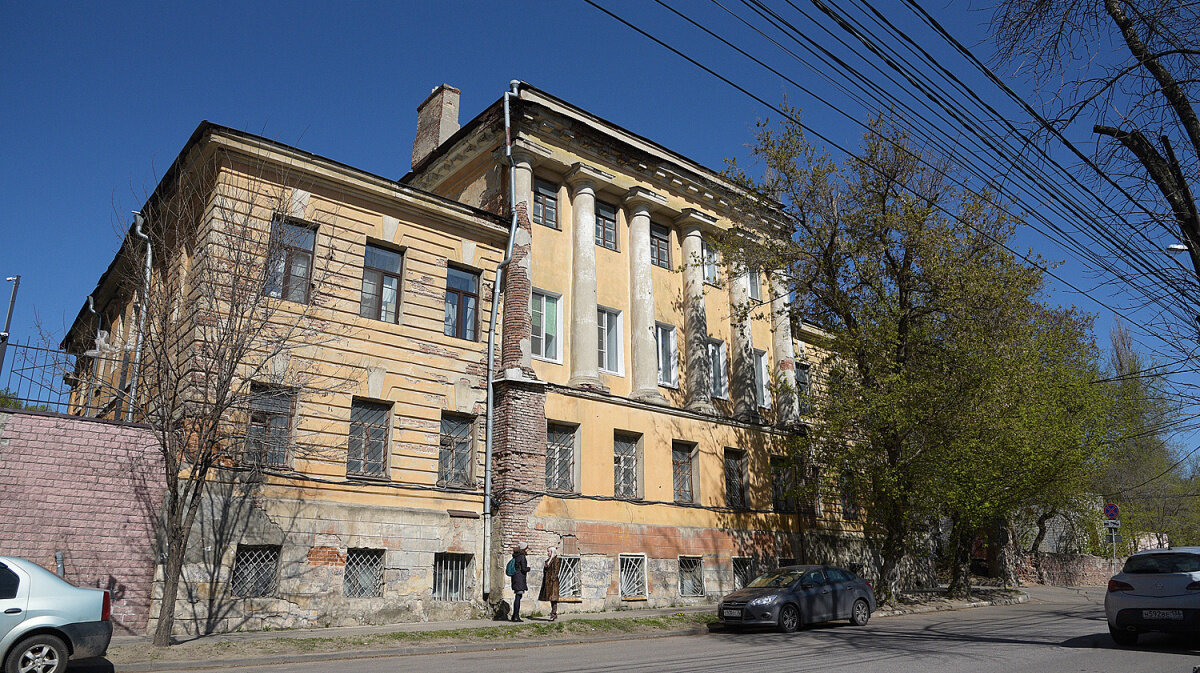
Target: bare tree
226, 298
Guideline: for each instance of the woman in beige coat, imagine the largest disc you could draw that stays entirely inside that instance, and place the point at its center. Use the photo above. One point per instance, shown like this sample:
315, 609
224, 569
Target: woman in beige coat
549, 591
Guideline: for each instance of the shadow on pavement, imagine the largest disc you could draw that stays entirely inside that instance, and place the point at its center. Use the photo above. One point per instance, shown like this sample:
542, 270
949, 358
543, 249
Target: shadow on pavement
93, 665
1167, 643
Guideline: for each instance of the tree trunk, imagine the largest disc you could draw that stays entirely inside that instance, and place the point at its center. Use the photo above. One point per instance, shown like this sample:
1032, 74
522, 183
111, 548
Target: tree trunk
961, 538
1038, 539
166, 606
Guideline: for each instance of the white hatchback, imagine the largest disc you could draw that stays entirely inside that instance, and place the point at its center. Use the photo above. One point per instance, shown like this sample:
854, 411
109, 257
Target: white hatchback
1157, 590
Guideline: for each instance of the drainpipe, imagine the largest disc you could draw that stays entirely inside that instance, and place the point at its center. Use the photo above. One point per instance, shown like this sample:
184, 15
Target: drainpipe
138, 221
96, 361
514, 89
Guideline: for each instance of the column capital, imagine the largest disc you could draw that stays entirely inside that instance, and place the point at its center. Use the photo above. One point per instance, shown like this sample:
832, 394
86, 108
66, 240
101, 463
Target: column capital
692, 218
523, 156
640, 197
582, 176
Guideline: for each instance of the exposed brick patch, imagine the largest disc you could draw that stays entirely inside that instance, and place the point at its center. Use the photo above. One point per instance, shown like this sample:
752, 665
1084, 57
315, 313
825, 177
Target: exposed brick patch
326, 556
518, 293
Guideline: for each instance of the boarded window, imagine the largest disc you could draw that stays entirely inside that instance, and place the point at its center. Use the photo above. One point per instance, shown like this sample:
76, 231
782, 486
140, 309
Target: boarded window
560, 457
633, 576
255, 570
691, 576
455, 454
367, 451
364, 573
450, 576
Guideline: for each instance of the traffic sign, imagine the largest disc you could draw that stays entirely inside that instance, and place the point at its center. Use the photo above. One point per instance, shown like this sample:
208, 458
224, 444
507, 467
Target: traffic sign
1112, 538
1112, 523
1111, 511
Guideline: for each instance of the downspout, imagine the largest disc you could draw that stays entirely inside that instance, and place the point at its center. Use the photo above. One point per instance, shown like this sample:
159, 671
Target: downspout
514, 89
96, 361
138, 221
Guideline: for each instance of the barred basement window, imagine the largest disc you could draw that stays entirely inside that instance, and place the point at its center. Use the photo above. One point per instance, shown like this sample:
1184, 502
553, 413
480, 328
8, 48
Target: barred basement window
633, 576
570, 579
364, 573
743, 571
255, 570
450, 576
691, 576
560, 457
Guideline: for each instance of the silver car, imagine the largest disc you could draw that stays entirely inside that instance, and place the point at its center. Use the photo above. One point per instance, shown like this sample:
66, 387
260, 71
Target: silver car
45, 620
796, 595
1157, 590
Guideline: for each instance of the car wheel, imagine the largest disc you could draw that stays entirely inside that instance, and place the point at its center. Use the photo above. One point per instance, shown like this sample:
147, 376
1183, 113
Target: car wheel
42, 653
860, 613
789, 619
1121, 637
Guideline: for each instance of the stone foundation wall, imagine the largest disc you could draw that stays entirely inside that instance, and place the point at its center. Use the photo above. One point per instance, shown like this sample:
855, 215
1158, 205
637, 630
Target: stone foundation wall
87, 488
1066, 570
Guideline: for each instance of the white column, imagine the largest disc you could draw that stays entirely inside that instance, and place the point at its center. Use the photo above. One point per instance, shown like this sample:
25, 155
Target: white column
585, 367
787, 405
641, 296
745, 404
698, 374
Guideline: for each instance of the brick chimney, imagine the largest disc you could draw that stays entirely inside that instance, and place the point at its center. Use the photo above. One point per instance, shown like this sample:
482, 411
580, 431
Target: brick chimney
437, 120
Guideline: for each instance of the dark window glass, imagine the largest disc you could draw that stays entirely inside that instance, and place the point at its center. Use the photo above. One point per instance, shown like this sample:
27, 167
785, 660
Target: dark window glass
9, 582
289, 261
681, 470
1163, 563
836, 575
802, 386
660, 246
462, 300
367, 450
455, 455
545, 203
815, 578
783, 485
735, 478
255, 570
606, 225
381, 284
270, 430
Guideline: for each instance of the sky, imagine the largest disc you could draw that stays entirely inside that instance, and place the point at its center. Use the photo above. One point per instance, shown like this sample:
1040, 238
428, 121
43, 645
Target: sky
98, 98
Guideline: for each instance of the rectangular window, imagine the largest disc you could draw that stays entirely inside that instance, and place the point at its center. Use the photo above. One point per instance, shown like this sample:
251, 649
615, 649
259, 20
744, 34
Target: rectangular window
546, 319
289, 261
803, 387
608, 324
849, 499
668, 355
450, 576
735, 478
711, 260
606, 225
366, 453
570, 580
545, 203
625, 465
783, 485
255, 570
364, 573
814, 484
456, 455
720, 379
560, 457
633, 576
270, 431
683, 471
382, 270
462, 300
743, 571
660, 246
762, 378
755, 280
691, 576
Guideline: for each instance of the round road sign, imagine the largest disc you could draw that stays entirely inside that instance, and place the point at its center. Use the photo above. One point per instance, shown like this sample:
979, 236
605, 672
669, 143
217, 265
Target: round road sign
1111, 511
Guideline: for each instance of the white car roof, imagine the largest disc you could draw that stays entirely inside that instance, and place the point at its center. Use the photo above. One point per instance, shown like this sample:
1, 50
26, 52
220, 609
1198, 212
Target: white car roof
1168, 550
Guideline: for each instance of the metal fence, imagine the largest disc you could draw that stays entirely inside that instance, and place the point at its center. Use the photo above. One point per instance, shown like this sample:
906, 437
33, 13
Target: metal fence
47, 379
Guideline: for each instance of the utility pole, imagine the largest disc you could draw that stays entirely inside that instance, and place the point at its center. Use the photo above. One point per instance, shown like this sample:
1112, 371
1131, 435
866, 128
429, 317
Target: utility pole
12, 301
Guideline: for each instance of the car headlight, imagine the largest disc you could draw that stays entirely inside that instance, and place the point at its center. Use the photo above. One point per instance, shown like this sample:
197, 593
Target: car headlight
763, 600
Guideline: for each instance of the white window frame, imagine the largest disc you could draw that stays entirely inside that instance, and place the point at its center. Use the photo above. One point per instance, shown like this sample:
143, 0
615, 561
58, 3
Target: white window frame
621, 585
711, 259
718, 386
557, 359
614, 321
668, 376
749, 562
762, 379
700, 566
755, 280
570, 593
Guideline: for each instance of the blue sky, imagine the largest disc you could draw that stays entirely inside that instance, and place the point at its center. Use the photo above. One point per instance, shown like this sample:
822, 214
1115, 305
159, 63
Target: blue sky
98, 98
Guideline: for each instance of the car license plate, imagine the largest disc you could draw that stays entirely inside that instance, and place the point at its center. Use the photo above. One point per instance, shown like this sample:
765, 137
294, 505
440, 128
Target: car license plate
731, 613
1162, 614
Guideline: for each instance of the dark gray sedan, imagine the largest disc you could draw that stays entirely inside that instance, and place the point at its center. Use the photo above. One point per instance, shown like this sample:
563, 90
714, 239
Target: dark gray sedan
796, 595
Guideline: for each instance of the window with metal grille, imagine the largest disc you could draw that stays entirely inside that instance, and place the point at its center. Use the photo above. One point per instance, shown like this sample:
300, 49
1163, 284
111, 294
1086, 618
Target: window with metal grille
783, 485
814, 483
710, 259
545, 203
456, 455
560, 457
462, 300
255, 570
743, 571
381, 284
682, 471
660, 246
716, 359
762, 378
691, 576
849, 498
364, 573
735, 478
450, 576
803, 387
289, 261
270, 430
633, 576
625, 465
546, 319
606, 225
608, 324
366, 453
668, 355
570, 579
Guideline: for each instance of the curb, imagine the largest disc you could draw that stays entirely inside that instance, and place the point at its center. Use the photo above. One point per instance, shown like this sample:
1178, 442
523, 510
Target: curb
156, 667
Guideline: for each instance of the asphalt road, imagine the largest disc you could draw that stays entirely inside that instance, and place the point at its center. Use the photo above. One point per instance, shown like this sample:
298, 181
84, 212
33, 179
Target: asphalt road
1057, 631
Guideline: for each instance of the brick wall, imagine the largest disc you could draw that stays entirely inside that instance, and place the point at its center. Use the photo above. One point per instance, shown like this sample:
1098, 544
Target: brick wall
90, 489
